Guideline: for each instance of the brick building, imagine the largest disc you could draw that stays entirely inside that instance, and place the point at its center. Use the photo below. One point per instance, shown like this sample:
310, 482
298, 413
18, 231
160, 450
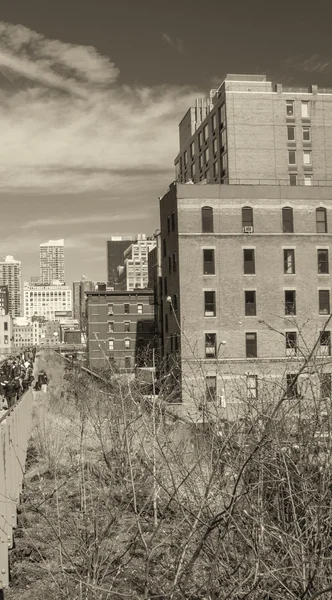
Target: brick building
247, 270
121, 327
251, 132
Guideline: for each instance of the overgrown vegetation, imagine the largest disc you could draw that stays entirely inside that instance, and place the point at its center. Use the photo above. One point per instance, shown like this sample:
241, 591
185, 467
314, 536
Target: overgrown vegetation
120, 502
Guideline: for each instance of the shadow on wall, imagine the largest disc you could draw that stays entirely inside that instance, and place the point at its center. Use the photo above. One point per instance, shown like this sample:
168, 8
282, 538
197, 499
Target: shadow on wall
145, 343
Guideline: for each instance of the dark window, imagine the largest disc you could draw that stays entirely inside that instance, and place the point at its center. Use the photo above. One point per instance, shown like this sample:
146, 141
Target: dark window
170, 264
247, 217
127, 326
249, 261
208, 262
291, 133
251, 345
250, 303
176, 342
325, 342
290, 108
175, 302
289, 262
210, 345
166, 323
127, 362
325, 385
324, 302
164, 248
5, 326
291, 157
291, 343
207, 219
110, 309
168, 225
173, 220
287, 220
290, 302
292, 179
323, 261
209, 304
127, 309
165, 286
174, 261
321, 220
171, 340
211, 388
291, 385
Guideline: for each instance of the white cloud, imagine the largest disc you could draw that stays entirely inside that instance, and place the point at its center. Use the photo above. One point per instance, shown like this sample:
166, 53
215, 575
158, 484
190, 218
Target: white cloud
312, 64
83, 220
67, 125
175, 43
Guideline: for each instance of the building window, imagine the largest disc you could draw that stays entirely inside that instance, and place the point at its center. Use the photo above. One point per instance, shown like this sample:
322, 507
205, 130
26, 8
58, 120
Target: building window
291, 157
110, 309
321, 220
324, 302
173, 220
290, 302
291, 385
251, 345
111, 327
140, 309
306, 134
209, 304
215, 146
252, 387
207, 219
247, 218
250, 303
289, 261
164, 247
287, 220
5, 326
215, 169
174, 261
110, 345
127, 309
291, 133
214, 122
210, 345
200, 161
307, 157
325, 343
206, 155
127, 343
325, 385
208, 262
290, 108
166, 323
211, 388
291, 343
305, 110
323, 262
200, 140
169, 264
249, 261
185, 158
192, 149
127, 326
292, 179
175, 302
206, 133
192, 171
307, 179
165, 286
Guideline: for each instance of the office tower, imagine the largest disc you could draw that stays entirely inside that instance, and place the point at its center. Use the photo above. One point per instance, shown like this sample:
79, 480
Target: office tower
10, 276
116, 247
79, 298
252, 132
46, 301
134, 274
52, 262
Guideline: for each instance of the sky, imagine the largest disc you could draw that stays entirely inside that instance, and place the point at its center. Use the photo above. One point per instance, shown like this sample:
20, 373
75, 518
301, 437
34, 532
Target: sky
91, 94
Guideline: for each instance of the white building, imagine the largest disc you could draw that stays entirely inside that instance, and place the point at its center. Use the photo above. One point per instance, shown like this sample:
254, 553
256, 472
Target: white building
46, 300
26, 332
134, 274
52, 262
6, 334
10, 275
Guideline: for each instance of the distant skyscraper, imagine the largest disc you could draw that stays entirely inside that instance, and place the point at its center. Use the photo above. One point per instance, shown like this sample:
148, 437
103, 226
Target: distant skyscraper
52, 267
116, 247
10, 276
79, 290
4, 299
134, 274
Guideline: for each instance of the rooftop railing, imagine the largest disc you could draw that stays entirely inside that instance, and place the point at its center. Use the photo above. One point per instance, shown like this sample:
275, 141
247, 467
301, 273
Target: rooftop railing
237, 181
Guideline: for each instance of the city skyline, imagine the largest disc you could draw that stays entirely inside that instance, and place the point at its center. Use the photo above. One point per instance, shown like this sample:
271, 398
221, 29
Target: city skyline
74, 101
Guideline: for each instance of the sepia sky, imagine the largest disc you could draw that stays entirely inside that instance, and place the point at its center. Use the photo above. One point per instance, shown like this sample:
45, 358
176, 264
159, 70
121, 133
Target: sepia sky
91, 93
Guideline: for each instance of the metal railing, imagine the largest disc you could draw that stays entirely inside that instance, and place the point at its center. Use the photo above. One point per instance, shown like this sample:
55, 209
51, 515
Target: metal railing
15, 426
300, 182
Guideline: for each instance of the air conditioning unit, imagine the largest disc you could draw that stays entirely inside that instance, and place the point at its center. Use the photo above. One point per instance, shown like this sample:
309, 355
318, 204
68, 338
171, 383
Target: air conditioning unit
248, 229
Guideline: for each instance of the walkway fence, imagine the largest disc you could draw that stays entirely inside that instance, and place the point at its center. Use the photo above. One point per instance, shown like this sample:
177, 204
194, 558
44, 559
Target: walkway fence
15, 425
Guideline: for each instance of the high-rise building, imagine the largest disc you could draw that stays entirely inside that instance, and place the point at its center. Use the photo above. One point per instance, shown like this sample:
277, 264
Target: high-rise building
251, 132
10, 276
79, 298
116, 247
46, 301
134, 274
4, 300
52, 267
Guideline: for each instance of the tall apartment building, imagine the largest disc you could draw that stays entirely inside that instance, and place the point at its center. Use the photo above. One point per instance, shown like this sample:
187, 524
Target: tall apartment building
251, 132
79, 298
134, 274
246, 287
47, 300
4, 299
116, 247
11, 276
52, 262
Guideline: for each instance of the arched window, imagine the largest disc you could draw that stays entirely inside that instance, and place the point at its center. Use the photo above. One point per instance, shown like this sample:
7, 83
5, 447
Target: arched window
247, 217
321, 220
287, 220
207, 219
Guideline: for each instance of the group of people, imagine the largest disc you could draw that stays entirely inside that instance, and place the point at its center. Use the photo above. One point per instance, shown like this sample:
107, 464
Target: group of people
16, 376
